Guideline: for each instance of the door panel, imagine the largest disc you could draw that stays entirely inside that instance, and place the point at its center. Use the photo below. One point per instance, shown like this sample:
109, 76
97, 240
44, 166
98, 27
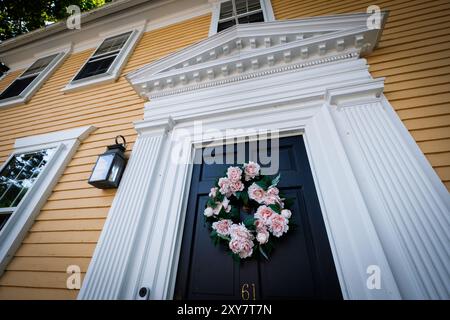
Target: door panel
300, 267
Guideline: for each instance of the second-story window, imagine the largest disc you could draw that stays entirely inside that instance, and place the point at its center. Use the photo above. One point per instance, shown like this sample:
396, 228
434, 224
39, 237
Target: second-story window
103, 57
239, 11
21, 89
107, 61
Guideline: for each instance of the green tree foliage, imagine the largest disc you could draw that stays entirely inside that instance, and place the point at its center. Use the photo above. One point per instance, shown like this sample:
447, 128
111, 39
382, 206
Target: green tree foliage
21, 16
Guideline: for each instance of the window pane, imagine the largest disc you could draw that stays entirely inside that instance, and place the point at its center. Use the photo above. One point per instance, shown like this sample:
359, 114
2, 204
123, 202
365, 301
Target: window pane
3, 219
16, 87
112, 44
225, 25
256, 17
101, 168
19, 175
226, 10
96, 67
39, 65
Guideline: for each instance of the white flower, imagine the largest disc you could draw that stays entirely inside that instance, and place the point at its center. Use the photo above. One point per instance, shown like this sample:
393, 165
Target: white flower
208, 212
263, 236
286, 213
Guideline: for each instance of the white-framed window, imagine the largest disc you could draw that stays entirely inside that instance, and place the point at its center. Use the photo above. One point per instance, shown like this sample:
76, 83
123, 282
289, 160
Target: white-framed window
227, 13
105, 64
27, 179
23, 88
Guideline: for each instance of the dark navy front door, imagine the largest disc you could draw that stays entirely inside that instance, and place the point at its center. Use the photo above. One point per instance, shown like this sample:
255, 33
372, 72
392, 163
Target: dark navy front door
300, 267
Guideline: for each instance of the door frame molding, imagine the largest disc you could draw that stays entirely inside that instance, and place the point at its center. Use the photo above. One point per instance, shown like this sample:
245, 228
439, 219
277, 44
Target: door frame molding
140, 242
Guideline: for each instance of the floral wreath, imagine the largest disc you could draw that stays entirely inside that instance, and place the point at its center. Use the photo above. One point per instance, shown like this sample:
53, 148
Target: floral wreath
256, 194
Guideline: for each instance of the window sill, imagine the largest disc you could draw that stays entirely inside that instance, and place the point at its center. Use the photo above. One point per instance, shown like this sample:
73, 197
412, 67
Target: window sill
108, 78
13, 102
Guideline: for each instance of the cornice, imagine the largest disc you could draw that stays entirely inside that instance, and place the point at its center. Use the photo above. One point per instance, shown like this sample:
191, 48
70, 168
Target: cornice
256, 50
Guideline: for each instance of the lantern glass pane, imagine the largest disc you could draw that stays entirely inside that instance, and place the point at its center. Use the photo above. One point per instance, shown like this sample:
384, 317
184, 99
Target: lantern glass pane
102, 167
115, 170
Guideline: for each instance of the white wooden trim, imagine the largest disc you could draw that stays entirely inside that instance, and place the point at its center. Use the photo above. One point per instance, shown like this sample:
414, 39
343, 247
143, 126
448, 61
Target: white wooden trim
21, 220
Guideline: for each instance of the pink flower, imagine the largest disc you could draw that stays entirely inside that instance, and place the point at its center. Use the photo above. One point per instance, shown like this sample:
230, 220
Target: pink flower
256, 193
235, 245
224, 186
286, 213
246, 249
264, 214
242, 247
251, 170
271, 196
222, 227
236, 186
213, 193
278, 225
240, 231
259, 224
234, 174
262, 236
273, 191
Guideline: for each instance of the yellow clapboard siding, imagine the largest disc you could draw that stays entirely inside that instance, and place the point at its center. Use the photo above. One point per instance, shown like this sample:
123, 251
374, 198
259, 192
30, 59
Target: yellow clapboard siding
63, 237
424, 111
413, 55
441, 145
431, 134
73, 214
438, 159
68, 226
76, 203
444, 172
35, 279
47, 264
18, 293
56, 250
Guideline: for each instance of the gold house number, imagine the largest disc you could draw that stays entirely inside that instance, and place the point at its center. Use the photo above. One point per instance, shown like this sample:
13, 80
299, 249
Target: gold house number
248, 291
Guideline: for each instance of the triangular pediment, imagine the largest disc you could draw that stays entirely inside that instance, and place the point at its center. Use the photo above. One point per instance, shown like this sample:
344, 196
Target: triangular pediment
258, 48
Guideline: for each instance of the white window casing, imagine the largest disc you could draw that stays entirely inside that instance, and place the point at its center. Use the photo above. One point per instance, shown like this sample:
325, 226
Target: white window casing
65, 144
266, 7
114, 70
37, 83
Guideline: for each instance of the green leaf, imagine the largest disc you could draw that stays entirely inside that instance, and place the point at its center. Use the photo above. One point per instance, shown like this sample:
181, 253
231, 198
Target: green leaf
263, 253
249, 221
213, 234
275, 207
275, 180
223, 237
262, 183
244, 197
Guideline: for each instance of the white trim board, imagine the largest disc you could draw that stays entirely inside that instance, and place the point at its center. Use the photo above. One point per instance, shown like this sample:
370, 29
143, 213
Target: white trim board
66, 143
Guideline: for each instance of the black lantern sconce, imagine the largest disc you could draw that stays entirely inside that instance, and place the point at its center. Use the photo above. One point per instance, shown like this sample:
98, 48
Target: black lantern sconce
109, 167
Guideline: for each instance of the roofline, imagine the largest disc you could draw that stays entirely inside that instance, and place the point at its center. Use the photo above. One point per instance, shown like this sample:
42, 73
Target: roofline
60, 26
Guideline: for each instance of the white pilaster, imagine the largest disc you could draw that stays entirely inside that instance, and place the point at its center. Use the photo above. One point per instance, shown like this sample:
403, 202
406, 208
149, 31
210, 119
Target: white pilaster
109, 266
409, 205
